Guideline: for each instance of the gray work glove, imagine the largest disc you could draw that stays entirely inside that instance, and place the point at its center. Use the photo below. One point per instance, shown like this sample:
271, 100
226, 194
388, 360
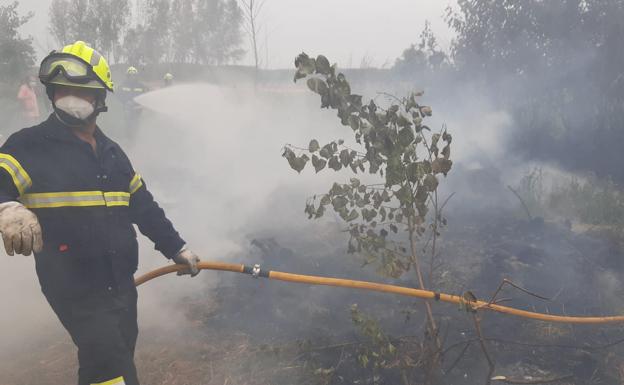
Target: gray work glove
20, 229
189, 258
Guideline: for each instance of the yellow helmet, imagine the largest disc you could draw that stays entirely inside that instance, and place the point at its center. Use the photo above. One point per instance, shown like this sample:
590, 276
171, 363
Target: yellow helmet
76, 65
132, 71
168, 76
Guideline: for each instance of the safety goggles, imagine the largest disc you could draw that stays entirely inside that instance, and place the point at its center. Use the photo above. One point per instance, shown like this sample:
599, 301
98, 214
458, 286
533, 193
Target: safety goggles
66, 66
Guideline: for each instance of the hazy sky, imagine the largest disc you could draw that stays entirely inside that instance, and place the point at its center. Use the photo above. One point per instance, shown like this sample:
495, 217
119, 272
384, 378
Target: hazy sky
345, 30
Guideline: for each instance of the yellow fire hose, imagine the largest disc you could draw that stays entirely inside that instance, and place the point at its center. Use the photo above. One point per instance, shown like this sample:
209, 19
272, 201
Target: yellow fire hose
255, 271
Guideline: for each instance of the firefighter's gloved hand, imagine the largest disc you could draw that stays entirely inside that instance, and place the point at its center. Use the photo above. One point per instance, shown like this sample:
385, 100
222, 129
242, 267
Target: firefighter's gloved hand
189, 258
20, 229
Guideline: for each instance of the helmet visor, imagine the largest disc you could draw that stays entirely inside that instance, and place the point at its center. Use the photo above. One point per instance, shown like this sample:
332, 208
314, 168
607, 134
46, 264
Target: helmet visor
63, 68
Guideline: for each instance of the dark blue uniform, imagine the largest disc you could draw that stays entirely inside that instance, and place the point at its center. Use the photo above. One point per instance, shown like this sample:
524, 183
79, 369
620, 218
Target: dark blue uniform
86, 203
132, 110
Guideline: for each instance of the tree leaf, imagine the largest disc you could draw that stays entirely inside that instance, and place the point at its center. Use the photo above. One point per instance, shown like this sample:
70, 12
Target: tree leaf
336, 189
305, 66
404, 195
345, 159
318, 86
328, 150
394, 171
313, 146
309, 209
406, 136
441, 165
318, 163
339, 203
421, 194
319, 212
356, 101
334, 163
298, 75
298, 163
342, 87
353, 215
354, 122
403, 120
322, 65
430, 182
417, 170
368, 215
385, 196
288, 153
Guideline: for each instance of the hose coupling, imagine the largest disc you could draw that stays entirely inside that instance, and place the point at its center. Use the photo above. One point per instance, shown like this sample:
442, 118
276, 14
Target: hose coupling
255, 272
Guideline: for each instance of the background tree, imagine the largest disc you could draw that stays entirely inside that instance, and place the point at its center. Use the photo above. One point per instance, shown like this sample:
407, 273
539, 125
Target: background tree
422, 57
101, 23
149, 41
532, 56
218, 31
182, 24
205, 31
60, 30
227, 37
17, 55
193, 31
251, 12
112, 19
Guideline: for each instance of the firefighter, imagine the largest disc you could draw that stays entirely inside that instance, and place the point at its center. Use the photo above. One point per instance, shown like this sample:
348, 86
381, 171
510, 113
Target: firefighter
69, 194
168, 79
132, 88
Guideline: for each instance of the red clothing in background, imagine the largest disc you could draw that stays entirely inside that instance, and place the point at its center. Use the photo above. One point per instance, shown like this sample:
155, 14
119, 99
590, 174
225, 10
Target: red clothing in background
28, 100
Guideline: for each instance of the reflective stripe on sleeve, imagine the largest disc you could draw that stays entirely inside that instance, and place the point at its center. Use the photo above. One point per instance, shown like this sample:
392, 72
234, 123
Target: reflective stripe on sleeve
114, 381
75, 199
135, 183
20, 177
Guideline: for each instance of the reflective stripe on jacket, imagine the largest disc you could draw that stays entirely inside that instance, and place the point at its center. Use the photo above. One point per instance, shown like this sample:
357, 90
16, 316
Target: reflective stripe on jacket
86, 203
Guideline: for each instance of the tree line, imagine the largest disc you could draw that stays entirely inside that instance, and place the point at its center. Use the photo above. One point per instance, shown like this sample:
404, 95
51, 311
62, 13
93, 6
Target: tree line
152, 31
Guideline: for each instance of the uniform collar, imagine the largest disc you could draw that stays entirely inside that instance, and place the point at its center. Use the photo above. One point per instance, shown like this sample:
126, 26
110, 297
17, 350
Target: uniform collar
58, 131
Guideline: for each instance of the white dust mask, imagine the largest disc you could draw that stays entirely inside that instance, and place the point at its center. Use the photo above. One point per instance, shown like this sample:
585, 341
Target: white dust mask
75, 106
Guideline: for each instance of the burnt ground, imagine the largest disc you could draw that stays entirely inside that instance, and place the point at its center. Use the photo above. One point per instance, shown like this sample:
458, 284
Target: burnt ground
263, 332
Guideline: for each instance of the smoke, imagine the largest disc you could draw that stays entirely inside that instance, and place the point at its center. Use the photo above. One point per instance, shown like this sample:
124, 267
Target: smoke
211, 155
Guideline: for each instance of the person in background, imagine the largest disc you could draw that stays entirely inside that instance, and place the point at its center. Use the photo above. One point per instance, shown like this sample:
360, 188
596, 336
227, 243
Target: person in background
130, 89
27, 98
168, 79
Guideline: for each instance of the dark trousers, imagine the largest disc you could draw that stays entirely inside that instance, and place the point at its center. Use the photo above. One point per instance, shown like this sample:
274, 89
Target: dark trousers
104, 329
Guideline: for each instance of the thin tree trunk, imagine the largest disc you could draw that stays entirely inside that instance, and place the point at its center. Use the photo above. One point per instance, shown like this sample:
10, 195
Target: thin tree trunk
253, 38
433, 328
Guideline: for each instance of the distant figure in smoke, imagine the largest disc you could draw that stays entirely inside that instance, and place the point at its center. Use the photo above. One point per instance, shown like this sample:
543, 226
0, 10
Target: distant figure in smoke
64, 181
131, 88
27, 97
168, 79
